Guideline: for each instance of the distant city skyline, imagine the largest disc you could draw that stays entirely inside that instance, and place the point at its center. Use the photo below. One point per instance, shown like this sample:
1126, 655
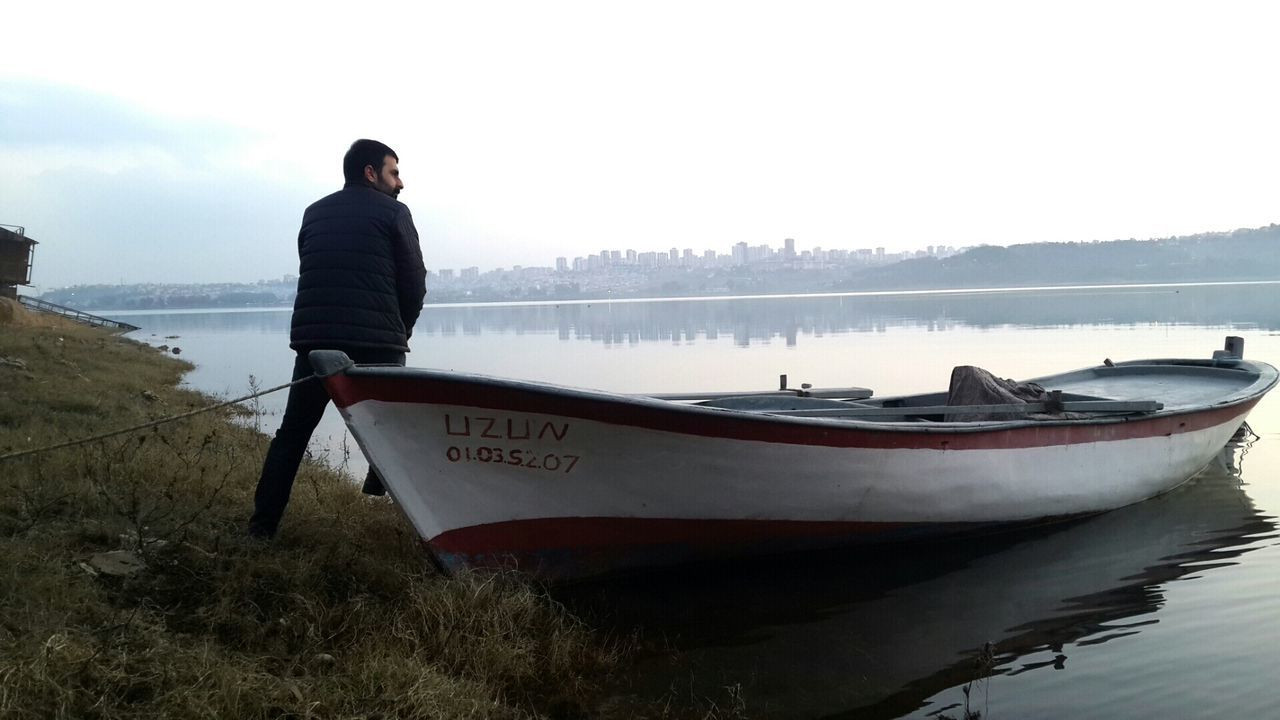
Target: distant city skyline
740, 253
1197, 259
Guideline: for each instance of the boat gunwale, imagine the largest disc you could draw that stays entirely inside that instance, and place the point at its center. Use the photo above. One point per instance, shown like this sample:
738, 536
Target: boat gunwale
1265, 377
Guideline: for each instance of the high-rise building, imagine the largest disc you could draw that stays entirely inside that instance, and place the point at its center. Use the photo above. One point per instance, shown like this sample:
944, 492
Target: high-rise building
562, 264
789, 249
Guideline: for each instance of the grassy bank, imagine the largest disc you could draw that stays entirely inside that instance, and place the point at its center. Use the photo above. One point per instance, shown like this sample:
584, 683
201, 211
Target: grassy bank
129, 589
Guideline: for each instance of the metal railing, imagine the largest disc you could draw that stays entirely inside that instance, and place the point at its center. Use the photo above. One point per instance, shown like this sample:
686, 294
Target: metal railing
78, 315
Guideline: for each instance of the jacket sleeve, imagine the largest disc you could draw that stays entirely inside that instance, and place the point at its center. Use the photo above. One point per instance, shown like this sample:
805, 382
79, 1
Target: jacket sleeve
411, 274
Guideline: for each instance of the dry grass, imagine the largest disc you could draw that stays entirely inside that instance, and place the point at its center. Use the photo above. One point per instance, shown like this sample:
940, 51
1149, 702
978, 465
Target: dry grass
340, 617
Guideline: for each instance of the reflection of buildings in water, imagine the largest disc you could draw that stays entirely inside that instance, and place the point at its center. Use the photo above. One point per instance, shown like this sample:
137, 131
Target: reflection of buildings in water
790, 318
877, 633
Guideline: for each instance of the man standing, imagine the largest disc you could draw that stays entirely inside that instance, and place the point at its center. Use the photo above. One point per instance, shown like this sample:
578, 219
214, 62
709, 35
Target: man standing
361, 285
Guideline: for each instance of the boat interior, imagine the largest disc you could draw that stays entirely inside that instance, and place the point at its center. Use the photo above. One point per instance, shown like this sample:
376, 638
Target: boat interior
1107, 390
929, 407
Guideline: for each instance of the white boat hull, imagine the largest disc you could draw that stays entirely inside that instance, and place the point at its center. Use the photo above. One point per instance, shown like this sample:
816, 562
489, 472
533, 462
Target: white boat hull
566, 483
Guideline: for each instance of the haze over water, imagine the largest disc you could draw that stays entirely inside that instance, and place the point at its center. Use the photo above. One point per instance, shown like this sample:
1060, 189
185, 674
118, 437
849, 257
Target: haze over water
1163, 609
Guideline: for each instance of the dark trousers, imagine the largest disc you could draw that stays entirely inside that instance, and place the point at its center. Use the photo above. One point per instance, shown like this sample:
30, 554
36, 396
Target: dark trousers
302, 413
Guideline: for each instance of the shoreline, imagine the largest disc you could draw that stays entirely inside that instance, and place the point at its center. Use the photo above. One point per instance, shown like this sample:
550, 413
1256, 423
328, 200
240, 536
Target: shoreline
994, 290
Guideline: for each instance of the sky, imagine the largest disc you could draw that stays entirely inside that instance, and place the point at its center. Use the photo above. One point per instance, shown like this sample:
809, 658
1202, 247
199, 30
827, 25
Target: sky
180, 142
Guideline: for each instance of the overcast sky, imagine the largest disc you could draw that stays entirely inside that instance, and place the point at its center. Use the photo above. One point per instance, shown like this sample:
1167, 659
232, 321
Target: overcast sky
178, 142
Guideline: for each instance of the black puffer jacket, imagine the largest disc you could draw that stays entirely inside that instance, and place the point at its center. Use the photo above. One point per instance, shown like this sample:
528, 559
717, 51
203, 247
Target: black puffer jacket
361, 279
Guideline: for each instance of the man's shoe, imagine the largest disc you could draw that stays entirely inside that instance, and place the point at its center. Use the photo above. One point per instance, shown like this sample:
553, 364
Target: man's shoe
258, 532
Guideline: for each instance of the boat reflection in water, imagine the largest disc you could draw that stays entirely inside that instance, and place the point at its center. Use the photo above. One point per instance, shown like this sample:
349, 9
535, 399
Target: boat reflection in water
878, 633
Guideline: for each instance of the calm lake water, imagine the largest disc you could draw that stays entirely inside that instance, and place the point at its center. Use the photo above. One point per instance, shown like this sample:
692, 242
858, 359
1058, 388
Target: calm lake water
1164, 609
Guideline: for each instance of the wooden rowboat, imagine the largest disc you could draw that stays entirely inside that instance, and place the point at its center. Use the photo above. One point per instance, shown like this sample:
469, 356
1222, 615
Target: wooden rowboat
566, 483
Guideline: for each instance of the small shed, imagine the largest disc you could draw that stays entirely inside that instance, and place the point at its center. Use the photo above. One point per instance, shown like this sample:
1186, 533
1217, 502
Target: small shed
16, 253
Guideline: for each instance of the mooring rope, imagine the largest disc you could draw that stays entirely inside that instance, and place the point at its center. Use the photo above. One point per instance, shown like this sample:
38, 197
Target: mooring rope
153, 423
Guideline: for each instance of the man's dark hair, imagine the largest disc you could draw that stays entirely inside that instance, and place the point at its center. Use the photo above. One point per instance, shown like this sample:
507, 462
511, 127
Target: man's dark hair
362, 153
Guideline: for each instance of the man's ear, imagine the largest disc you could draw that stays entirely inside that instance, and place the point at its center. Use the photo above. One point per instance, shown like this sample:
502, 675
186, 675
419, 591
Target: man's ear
370, 174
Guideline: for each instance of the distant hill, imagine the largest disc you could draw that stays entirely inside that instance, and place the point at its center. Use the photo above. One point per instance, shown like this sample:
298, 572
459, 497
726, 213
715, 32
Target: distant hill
152, 296
1246, 254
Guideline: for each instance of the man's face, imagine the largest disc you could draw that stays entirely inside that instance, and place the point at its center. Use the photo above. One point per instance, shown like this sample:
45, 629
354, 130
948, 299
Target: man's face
388, 180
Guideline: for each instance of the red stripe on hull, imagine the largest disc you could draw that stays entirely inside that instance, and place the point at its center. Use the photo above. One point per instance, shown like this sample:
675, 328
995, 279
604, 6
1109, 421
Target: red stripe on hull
347, 390
599, 532
565, 548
